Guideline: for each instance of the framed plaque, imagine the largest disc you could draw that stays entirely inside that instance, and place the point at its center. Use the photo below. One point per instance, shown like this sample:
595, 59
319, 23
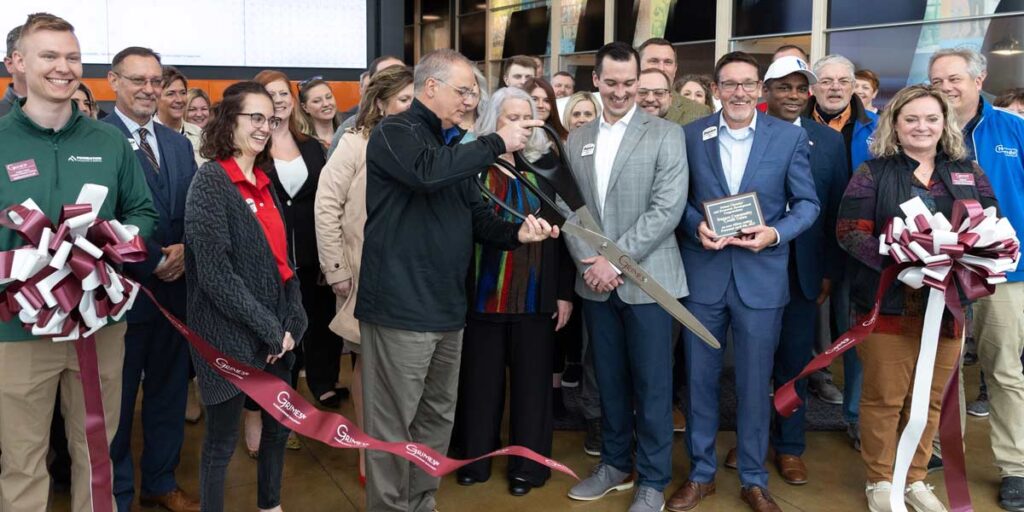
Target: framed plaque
726, 216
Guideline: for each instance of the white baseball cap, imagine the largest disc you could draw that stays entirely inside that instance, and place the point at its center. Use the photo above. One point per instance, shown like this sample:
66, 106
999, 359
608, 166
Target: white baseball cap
788, 65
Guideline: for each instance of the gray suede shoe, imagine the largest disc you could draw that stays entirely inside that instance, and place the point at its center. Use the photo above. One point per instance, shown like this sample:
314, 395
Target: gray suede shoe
603, 480
647, 499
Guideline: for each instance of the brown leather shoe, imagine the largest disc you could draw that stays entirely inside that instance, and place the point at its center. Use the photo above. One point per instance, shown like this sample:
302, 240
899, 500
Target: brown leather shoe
175, 501
678, 420
792, 469
730, 459
759, 499
689, 496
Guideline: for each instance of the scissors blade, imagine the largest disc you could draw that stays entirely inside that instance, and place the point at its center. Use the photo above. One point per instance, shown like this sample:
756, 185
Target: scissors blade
631, 270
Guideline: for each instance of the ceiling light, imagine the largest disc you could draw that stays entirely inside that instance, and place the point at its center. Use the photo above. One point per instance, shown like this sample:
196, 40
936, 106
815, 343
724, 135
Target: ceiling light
1006, 47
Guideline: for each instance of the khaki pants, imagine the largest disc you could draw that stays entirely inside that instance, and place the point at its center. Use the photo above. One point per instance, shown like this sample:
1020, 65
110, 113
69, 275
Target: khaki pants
999, 331
410, 384
30, 372
889, 363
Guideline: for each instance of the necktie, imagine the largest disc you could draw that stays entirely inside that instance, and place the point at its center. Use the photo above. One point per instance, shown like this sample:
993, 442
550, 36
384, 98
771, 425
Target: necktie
147, 149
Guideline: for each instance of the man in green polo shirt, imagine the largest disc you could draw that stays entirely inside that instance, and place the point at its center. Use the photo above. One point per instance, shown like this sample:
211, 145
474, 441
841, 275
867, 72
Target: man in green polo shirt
49, 152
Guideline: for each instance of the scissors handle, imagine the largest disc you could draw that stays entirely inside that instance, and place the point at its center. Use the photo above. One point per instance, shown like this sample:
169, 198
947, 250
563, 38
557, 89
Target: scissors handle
559, 176
548, 211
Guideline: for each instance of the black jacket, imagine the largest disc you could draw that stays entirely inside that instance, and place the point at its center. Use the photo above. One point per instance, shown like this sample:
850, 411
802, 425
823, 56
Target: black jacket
298, 211
423, 214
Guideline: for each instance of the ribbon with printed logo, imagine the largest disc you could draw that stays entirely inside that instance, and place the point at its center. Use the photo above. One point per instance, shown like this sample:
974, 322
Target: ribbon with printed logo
976, 248
63, 284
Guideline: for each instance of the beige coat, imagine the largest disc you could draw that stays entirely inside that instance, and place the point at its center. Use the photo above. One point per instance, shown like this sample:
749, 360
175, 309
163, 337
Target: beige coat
340, 215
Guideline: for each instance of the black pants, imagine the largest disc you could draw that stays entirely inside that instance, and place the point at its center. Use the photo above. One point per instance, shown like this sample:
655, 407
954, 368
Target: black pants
524, 344
222, 439
320, 350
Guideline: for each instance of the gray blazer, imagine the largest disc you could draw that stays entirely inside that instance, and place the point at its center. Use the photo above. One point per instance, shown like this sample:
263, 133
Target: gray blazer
646, 196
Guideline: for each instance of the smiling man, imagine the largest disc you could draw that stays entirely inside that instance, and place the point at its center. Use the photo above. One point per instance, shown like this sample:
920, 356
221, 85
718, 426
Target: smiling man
45, 136
995, 139
152, 346
739, 282
654, 94
632, 171
816, 261
658, 53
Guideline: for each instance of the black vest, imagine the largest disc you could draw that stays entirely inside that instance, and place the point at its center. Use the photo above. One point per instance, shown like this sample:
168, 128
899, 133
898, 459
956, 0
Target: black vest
893, 186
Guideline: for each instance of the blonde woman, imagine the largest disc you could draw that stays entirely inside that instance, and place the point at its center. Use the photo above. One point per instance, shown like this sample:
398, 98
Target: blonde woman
197, 107
581, 109
918, 150
318, 110
340, 213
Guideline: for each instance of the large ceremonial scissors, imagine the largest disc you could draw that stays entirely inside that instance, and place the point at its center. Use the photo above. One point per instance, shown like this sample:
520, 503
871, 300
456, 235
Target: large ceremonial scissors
560, 178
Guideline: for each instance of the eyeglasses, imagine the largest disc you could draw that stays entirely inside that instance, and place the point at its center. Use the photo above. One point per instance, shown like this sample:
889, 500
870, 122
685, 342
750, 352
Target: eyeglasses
259, 119
141, 81
465, 92
658, 93
730, 86
303, 83
829, 82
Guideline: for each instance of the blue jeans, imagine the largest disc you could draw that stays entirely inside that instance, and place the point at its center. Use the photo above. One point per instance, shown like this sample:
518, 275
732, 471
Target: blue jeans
632, 347
221, 439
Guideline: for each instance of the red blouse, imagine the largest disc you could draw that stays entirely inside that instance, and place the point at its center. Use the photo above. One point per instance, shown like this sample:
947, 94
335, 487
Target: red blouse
261, 202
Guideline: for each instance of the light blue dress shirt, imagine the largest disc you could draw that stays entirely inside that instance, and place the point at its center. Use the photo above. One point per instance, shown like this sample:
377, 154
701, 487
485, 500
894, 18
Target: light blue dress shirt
133, 128
734, 148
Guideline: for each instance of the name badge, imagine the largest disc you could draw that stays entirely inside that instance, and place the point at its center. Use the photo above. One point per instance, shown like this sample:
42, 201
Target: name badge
134, 143
588, 150
709, 133
21, 170
252, 204
962, 178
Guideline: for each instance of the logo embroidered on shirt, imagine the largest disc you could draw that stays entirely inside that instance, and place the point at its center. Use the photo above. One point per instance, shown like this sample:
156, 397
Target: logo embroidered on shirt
1007, 151
86, 159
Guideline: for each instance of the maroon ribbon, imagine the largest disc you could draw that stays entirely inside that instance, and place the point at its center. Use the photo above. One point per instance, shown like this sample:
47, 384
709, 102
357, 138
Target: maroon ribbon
971, 280
289, 408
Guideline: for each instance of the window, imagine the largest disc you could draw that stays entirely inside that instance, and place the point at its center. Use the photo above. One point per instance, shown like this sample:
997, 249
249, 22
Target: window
760, 17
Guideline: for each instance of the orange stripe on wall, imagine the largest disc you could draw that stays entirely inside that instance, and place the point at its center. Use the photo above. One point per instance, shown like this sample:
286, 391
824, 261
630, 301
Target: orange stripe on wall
346, 94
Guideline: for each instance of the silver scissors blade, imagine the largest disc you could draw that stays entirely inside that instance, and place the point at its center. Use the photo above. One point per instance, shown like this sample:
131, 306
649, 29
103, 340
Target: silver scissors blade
634, 272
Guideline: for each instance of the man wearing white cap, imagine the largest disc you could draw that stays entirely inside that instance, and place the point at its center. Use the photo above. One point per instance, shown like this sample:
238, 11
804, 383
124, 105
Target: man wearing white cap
814, 255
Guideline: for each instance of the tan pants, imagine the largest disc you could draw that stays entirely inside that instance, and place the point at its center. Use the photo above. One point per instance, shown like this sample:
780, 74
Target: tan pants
889, 363
30, 372
999, 330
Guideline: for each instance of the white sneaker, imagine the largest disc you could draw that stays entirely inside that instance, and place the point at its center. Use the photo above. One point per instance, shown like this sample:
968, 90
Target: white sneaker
878, 496
920, 497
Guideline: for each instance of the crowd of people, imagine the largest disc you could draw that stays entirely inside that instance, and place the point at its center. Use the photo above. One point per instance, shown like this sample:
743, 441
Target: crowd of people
288, 234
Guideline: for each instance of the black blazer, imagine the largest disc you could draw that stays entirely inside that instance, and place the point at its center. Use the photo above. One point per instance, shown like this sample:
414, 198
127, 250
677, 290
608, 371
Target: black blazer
298, 211
169, 188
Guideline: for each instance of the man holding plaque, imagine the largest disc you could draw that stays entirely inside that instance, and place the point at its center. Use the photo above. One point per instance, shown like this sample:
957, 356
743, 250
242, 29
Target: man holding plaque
738, 279
631, 170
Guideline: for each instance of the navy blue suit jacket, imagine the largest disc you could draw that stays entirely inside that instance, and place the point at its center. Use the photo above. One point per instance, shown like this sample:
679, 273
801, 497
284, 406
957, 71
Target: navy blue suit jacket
779, 171
817, 252
169, 188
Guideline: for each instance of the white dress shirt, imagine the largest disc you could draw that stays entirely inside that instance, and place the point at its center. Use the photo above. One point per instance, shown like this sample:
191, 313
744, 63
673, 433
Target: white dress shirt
133, 128
609, 138
734, 149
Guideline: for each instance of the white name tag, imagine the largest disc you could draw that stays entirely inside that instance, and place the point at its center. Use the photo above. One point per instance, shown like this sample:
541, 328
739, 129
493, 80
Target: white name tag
588, 150
134, 143
709, 133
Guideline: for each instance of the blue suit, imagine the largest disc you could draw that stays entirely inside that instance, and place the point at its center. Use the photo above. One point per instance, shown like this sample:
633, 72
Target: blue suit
152, 345
739, 288
815, 256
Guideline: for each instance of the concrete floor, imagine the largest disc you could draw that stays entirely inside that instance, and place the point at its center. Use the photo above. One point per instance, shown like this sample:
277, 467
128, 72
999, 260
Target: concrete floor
318, 478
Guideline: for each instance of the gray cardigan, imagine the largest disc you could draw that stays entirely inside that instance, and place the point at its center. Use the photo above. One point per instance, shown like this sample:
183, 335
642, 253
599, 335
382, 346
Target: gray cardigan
237, 301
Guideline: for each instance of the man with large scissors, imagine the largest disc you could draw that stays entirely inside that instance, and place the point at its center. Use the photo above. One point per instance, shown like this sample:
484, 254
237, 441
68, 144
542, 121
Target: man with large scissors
632, 173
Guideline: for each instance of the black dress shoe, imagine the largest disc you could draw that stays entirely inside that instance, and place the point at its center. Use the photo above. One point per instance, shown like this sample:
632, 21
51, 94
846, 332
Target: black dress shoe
519, 487
466, 480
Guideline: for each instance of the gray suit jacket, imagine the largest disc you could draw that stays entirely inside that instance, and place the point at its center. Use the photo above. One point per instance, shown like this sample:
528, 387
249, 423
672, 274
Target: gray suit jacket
646, 197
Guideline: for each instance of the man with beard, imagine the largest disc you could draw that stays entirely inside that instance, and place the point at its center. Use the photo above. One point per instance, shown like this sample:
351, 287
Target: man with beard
654, 94
152, 346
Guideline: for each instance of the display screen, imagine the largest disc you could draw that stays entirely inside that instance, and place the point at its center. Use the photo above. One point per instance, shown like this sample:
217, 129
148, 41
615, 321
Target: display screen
248, 33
